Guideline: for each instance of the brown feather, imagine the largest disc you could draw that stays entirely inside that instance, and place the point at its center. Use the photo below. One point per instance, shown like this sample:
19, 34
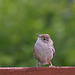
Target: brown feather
53, 50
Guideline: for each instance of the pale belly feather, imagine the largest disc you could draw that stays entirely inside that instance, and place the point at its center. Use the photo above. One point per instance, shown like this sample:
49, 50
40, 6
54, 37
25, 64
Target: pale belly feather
43, 53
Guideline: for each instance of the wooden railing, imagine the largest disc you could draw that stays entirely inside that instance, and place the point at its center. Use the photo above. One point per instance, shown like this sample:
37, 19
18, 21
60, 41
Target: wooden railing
37, 71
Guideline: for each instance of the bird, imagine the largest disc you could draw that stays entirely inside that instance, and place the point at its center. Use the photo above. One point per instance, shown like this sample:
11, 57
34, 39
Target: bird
43, 50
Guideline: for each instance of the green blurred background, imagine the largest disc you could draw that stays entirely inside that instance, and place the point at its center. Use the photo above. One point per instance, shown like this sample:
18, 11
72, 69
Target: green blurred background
20, 20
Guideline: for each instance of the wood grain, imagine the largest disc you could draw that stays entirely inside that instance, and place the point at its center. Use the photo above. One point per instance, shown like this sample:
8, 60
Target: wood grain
37, 71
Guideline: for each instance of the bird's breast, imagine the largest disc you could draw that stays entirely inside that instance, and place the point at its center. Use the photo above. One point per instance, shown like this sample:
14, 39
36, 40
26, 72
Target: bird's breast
43, 52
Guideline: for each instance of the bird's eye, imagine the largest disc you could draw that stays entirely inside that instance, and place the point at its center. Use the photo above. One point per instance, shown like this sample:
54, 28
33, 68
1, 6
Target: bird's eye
44, 39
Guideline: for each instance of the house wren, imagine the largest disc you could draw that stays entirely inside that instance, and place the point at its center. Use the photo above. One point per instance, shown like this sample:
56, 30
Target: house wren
43, 50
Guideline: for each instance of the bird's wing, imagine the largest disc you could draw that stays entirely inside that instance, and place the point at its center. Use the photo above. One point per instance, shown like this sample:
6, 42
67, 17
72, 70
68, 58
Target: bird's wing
35, 52
53, 49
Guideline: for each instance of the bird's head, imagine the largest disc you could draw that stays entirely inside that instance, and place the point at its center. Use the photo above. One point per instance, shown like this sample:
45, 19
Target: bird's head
45, 38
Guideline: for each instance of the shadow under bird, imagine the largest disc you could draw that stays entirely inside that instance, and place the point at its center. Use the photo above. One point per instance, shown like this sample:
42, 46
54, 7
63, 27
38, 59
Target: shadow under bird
43, 50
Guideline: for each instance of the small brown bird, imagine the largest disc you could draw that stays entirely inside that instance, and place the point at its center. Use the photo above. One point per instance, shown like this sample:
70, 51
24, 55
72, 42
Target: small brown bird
43, 50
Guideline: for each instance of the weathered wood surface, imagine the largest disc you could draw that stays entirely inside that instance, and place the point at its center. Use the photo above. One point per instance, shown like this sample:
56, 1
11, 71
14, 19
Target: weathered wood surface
39, 71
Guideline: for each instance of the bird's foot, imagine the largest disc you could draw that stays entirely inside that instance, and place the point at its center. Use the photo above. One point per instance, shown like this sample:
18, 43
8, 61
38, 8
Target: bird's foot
51, 66
37, 66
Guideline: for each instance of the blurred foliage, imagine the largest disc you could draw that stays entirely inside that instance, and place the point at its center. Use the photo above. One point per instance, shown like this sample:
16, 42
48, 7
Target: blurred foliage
20, 20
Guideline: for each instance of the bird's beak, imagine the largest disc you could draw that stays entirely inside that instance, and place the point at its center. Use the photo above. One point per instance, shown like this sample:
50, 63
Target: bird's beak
37, 34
